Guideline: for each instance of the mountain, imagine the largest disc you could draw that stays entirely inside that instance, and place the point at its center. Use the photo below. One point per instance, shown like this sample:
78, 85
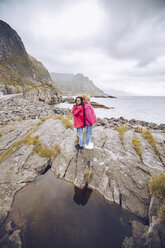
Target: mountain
61, 76
20, 72
75, 83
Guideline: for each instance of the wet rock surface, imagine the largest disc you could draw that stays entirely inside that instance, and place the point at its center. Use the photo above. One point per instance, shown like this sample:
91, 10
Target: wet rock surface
116, 170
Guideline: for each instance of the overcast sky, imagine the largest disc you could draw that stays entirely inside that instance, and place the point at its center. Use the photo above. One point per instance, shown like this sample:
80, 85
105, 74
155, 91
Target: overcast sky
119, 44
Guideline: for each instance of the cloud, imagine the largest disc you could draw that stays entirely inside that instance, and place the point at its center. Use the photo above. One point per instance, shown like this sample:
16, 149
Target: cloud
118, 44
134, 29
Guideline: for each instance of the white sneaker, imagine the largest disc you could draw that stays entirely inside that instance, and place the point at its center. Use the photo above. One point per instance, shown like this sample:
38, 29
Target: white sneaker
89, 146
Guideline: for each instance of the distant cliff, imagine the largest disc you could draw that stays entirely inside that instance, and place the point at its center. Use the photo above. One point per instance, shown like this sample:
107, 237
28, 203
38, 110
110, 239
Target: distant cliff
20, 72
75, 83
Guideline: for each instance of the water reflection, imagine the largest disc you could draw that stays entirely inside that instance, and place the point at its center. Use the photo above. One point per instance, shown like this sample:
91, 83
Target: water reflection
82, 196
49, 217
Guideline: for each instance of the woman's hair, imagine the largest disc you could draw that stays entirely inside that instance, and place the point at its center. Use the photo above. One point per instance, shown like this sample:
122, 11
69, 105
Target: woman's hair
86, 98
83, 96
82, 101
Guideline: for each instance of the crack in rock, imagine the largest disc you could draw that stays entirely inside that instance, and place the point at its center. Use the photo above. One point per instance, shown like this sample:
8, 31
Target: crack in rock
48, 167
140, 168
68, 165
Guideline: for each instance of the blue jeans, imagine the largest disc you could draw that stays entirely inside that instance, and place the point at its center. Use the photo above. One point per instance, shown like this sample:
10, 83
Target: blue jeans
80, 133
88, 135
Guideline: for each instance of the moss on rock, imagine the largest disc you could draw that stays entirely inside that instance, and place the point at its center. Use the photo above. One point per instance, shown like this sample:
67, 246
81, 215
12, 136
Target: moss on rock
121, 129
137, 145
148, 136
157, 188
157, 185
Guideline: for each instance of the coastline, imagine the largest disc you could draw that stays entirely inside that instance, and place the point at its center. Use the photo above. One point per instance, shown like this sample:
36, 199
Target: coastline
17, 108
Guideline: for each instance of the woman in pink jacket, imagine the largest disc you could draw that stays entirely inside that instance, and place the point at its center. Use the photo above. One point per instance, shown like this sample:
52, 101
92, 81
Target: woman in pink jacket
90, 119
78, 112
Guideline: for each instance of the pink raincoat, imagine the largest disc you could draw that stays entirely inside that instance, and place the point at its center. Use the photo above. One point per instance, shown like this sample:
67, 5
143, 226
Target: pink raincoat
78, 113
90, 116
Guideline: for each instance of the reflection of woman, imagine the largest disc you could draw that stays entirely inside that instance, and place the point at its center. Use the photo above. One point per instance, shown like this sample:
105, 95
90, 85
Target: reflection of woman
82, 195
90, 119
78, 112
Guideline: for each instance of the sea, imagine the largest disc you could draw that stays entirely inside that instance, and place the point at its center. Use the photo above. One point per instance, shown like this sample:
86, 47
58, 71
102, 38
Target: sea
144, 108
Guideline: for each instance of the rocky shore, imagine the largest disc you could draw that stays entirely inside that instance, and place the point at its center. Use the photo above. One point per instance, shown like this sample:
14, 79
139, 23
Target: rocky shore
19, 108
36, 137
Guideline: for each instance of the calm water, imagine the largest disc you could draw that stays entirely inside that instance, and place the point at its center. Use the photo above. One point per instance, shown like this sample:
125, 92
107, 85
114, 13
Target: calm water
54, 213
151, 109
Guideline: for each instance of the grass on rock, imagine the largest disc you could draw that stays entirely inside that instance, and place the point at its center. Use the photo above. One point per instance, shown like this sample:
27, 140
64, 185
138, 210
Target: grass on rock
157, 185
157, 188
137, 145
87, 176
149, 137
138, 129
121, 129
